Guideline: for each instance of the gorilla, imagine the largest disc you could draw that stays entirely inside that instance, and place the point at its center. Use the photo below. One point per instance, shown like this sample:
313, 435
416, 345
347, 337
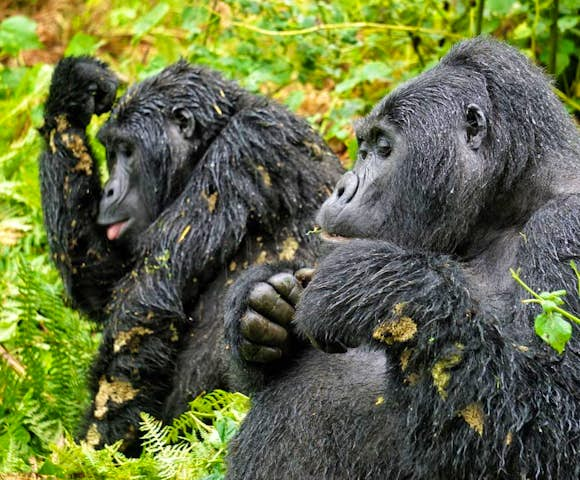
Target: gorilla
205, 179
467, 170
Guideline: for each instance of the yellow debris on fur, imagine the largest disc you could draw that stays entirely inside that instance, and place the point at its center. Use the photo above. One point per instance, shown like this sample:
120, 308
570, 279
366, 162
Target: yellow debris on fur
395, 331
289, 249
62, 124
265, 175
211, 200
78, 148
509, 439
262, 258
184, 234
117, 391
475, 418
130, 338
93, 436
441, 375
404, 358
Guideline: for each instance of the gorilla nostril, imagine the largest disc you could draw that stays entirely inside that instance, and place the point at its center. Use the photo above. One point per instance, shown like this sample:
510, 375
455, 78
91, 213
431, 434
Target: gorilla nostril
346, 187
110, 192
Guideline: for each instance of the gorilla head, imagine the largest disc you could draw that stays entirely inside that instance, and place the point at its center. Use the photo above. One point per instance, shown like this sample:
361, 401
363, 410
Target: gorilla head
440, 155
155, 136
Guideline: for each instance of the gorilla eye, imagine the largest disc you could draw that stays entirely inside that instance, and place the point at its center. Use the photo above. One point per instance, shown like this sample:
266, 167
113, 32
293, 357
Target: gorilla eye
384, 148
126, 149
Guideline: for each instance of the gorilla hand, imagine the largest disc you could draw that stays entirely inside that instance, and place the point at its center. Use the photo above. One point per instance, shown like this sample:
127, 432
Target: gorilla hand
266, 322
261, 309
81, 87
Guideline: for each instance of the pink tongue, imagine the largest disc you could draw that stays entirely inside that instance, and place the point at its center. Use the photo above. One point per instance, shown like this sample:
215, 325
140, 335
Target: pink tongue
114, 230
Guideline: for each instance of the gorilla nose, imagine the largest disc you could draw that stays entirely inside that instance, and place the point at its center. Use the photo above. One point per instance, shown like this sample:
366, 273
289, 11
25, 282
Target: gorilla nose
346, 187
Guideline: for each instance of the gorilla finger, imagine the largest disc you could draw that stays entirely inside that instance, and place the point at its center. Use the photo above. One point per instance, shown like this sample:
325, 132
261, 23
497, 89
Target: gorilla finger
288, 286
267, 301
256, 328
256, 353
304, 275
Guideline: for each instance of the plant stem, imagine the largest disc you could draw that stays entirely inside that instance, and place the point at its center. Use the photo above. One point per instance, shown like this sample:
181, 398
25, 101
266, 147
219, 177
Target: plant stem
344, 26
479, 16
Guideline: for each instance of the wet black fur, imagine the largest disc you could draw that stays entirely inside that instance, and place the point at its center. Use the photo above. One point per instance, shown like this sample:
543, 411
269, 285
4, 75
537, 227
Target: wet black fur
442, 234
258, 178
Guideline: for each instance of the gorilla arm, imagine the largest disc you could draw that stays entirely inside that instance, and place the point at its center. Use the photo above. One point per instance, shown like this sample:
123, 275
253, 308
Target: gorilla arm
370, 290
70, 183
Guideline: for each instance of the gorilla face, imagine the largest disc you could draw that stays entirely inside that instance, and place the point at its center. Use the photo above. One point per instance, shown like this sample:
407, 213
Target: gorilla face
144, 176
123, 208
359, 202
420, 177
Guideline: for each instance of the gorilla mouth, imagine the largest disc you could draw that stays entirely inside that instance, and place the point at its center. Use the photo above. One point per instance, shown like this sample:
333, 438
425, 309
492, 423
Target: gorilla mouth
115, 230
326, 236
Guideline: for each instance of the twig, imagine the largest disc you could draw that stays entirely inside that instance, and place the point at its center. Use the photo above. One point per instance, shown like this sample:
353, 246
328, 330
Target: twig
12, 362
343, 26
562, 96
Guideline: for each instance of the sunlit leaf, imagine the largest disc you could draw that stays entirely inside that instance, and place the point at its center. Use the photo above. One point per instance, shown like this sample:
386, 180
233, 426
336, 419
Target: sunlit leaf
83, 44
148, 21
18, 33
553, 329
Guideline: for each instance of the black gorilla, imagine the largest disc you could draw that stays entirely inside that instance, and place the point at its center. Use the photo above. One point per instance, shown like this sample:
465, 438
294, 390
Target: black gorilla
205, 179
462, 173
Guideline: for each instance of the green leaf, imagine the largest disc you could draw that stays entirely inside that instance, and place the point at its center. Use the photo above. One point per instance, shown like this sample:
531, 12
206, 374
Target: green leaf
18, 33
499, 7
366, 73
522, 31
553, 329
148, 21
7, 328
83, 44
566, 23
295, 99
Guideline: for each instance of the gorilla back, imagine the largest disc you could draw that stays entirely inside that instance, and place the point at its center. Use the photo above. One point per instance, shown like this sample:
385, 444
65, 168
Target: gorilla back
462, 173
205, 179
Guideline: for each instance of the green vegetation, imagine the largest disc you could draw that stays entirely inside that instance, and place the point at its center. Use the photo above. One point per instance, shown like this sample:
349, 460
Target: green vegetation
328, 61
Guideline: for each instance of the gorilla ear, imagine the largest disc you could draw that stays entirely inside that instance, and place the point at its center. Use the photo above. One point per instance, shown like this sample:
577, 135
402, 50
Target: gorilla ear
476, 126
184, 120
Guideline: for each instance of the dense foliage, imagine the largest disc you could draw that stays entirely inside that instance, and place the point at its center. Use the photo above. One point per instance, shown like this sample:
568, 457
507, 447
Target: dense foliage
329, 61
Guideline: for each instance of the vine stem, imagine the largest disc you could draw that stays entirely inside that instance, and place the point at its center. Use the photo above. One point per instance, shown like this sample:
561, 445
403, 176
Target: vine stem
539, 300
564, 313
517, 278
342, 26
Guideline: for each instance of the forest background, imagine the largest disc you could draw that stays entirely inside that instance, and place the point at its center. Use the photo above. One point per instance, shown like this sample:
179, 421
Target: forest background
329, 61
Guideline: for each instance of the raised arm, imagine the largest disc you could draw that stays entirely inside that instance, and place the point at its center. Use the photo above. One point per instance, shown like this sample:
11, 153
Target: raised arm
70, 183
